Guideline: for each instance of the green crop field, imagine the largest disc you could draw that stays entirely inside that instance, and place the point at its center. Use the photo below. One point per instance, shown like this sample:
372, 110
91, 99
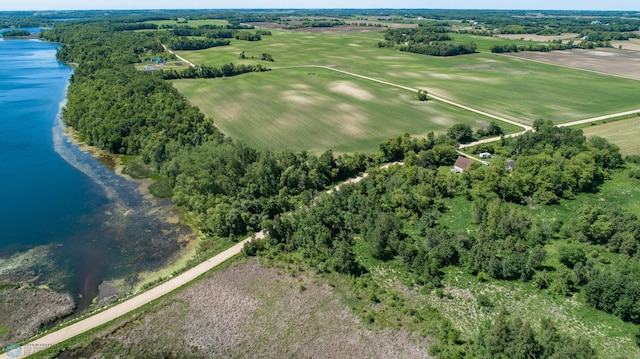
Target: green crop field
317, 109
623, 133
517, 89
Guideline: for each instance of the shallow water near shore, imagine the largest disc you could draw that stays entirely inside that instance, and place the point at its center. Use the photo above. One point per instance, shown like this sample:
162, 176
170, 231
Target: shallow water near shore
66, 220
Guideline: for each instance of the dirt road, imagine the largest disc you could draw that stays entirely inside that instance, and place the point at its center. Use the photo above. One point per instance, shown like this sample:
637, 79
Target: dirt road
128, 305
178, 56
599, 118
131, 304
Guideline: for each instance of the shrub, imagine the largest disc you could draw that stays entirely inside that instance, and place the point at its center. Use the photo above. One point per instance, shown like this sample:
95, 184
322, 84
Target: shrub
635, 174
484, 301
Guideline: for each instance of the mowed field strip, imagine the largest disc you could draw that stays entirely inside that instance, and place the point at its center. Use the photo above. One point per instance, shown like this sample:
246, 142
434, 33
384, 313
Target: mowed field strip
503, 86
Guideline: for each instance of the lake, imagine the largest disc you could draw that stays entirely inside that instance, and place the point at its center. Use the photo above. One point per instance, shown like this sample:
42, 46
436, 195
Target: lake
66, 220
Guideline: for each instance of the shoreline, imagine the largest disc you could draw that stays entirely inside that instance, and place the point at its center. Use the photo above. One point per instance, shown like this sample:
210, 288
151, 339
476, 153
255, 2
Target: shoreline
170, 215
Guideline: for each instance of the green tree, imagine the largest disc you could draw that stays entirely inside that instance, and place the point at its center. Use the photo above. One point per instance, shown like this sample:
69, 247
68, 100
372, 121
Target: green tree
460, 132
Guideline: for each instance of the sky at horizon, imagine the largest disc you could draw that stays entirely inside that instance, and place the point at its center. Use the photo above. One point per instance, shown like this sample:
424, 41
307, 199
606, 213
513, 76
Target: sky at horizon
322, 4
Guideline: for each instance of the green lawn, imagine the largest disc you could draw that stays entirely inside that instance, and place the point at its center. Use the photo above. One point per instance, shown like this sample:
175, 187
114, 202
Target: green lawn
316, 109
517, 89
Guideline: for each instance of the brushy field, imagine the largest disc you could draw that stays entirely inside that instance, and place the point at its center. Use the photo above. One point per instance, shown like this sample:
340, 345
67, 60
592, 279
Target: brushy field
316, 109
247, 310
24, 310
609, 335
624, 133
518, 89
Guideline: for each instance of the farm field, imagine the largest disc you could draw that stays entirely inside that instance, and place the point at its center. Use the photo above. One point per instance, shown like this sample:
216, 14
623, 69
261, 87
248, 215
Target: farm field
631, 44
617, 62
317, 109
539, 38
624, 133
514, 88
190, 22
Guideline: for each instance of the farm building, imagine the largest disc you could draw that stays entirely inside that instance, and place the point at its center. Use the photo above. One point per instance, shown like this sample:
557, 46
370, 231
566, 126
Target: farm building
462, 164
511, 164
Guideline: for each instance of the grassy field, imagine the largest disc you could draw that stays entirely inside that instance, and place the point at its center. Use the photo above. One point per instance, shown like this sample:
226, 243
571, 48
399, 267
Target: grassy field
623, 133
458, 301
514, 88
317, 109
609, 335
246, 310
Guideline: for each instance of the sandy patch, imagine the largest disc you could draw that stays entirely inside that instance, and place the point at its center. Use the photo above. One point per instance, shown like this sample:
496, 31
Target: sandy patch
462, 78
350, 120
349, 89
230, 111
408, 74
300, 86
298, 98
388, 58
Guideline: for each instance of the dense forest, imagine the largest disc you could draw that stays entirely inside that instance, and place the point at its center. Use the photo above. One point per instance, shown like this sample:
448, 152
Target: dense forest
393, 216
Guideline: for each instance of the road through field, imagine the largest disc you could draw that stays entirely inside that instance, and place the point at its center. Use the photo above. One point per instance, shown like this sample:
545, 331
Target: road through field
599, 118
138, 301
178, 56
128, 305
435, 97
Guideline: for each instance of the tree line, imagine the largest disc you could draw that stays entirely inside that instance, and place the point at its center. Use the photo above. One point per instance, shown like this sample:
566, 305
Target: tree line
209, 72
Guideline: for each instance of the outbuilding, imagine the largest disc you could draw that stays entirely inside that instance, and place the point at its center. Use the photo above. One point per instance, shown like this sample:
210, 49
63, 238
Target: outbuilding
462, 164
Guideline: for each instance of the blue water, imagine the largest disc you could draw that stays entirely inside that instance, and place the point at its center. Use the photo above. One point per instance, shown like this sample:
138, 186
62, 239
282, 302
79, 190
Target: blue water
66, 219
40, 193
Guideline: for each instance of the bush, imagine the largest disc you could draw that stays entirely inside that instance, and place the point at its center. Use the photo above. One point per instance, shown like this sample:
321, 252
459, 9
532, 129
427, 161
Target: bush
633, 159
571, 254
484, 301
634, 174
161, 189
252, 247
